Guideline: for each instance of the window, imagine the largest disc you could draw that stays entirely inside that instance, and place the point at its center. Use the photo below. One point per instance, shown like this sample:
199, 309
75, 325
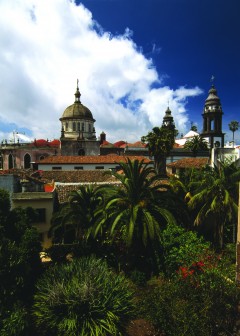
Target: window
89, 128
56, 168
83, 127
10, 161
78, 167
78, 127
27, 161
66, 126
74, 126
99, 167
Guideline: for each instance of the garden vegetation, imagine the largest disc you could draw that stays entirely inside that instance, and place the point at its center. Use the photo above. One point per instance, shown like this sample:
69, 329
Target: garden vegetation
153, 249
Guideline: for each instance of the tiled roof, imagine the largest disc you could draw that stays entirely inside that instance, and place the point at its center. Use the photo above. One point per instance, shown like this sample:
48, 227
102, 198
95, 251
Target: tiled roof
63, 190
78, 176
137, 144
189, 163
90, 159
67, 181
119, 143
107, 144
45, 143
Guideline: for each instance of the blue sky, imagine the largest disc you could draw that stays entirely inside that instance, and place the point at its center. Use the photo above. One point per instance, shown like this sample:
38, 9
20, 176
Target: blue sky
188, 40
132, 59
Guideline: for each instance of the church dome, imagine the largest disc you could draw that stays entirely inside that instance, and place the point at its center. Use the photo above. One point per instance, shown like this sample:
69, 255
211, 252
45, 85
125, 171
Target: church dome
77, 110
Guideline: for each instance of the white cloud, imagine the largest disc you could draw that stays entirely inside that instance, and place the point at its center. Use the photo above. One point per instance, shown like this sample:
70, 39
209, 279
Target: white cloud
46, 45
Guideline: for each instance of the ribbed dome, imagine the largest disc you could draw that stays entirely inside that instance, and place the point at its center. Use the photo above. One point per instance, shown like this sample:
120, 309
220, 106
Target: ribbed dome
77, 110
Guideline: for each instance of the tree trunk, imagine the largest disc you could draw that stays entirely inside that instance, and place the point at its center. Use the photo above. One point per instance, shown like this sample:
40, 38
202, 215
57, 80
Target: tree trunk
160, 165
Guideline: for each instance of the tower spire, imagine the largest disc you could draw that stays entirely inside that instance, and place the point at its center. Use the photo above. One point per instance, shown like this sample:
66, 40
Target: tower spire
77, 94
212, 118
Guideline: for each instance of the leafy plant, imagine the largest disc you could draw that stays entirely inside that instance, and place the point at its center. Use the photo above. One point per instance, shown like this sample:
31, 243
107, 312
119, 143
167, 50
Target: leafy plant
83, 297
181, 247
15, 323
202, 303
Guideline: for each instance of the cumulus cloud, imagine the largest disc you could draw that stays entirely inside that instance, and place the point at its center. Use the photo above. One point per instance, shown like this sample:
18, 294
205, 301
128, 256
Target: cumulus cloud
46, 45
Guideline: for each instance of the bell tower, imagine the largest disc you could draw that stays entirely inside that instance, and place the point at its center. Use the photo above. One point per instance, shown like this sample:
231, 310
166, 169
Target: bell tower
168, 121
212, 119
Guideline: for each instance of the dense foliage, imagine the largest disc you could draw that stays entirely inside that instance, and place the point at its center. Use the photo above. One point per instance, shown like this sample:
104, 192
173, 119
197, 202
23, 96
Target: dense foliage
166, 239
20, 266
199, 300
213, 200
196, 144
83, 297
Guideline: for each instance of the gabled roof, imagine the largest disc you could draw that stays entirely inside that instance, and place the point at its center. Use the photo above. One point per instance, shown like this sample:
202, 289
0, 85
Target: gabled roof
189, 163
95, 159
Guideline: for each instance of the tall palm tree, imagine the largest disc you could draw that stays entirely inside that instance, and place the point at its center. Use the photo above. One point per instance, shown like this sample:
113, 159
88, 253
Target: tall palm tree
160, 142
233, 126
214, 199
134, 209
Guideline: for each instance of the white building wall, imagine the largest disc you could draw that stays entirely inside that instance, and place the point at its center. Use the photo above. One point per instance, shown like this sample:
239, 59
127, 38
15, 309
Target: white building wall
76, 166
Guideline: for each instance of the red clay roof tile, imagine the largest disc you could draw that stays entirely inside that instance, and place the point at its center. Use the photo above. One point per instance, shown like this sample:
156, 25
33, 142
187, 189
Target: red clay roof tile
107, 159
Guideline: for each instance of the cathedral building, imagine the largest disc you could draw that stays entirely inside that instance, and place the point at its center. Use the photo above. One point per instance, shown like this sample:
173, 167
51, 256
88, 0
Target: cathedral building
78, 135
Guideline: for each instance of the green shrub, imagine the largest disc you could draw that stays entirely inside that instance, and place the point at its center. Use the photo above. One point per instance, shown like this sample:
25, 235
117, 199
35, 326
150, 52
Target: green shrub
199, 301
82, 297
138, 278
181, 247
16, 322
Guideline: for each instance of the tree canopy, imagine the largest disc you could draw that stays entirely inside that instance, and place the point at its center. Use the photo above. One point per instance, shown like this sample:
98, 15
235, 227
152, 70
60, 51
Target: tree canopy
160, 142
196, 144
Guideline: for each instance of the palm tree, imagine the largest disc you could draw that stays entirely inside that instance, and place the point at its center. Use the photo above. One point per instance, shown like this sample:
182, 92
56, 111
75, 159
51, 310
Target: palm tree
214, 199
78, 215
134, 209
196, 144
134, 216
233, 126
160, 142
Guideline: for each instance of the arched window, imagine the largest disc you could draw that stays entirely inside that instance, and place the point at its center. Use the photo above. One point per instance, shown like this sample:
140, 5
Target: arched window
83, 127
74, 126
212, 125
78, 127
10, 161
27, 161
